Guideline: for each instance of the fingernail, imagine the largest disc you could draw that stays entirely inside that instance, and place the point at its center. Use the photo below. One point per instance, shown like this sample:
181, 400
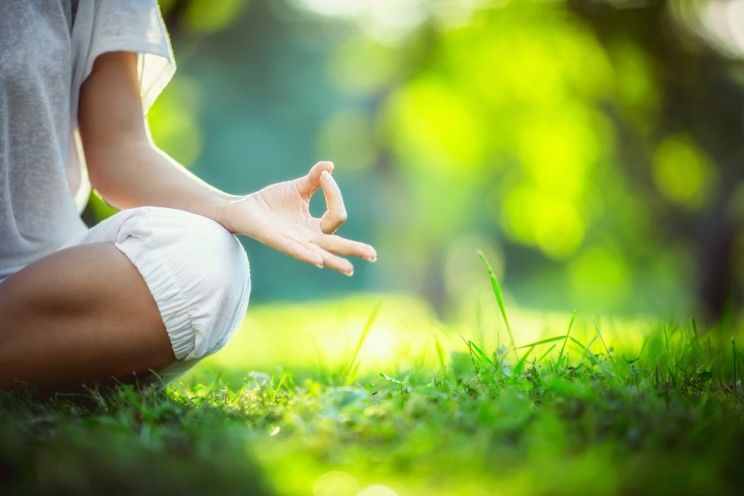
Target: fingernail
350, 273
320, 266
372, 259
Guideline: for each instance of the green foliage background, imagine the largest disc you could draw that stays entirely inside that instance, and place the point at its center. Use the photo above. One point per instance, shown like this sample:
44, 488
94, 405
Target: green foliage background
592, 149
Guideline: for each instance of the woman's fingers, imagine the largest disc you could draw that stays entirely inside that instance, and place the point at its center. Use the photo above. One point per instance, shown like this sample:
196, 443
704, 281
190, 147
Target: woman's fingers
308, 184
311, 253
335, 213
332, 261
293, 248
342, 246
337, 263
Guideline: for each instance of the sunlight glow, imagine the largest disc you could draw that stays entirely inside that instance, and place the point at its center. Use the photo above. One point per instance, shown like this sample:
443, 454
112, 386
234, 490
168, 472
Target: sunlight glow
334, 8
380, 345
385, 20
725, 20
377, 490
718, 22
335, 483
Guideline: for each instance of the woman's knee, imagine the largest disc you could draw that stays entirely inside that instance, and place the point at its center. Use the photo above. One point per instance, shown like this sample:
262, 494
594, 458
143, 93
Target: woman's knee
198, 274
213, 273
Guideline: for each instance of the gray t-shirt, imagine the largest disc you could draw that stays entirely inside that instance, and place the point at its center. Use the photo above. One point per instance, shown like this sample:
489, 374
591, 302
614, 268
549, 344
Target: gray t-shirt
47, 49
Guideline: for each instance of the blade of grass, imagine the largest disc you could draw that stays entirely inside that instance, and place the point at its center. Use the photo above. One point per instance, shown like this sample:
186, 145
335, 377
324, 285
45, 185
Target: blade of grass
352, 374
469, 344
481, 354
499, 299
520, 364
601, 338
552, 347
392, 380
278, 388
440, 353
352, 365
543, 341
589, 354
568, 335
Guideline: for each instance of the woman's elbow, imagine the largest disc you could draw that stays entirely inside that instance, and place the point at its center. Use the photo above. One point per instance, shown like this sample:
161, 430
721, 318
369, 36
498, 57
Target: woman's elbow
101, 180
109, 169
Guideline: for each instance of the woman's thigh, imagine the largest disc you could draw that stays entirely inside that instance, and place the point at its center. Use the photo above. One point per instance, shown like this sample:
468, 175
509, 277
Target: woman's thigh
80, 315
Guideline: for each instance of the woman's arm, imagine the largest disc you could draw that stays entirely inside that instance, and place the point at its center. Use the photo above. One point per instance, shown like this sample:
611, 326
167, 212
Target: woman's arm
128, 170
125, 167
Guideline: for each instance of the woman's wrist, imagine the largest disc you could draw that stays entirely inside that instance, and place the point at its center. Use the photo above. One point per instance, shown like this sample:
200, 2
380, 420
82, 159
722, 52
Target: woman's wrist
226, 211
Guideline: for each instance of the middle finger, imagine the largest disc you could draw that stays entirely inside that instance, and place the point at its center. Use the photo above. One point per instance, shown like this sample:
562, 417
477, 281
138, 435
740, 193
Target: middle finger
342, 246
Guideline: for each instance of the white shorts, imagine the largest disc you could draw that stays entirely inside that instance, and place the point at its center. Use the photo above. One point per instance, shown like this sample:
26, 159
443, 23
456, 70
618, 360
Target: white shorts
196, 271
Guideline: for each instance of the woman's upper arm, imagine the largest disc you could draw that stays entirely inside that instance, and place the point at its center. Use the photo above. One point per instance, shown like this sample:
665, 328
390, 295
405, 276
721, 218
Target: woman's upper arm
110, 111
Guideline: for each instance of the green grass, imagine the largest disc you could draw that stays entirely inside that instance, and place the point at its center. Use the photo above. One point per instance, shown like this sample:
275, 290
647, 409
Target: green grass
358, 397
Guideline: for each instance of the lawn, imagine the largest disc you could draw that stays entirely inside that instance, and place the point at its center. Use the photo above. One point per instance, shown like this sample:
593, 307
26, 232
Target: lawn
375, 396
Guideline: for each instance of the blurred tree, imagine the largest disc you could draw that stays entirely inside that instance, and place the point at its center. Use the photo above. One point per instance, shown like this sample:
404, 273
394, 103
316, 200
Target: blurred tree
615, 137
691, 161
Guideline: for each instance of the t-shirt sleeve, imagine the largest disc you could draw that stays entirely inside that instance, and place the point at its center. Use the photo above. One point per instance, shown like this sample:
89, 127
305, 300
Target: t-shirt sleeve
131, 26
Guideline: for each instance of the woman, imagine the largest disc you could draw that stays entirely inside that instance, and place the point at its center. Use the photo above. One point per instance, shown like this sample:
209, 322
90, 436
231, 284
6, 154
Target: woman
164, 282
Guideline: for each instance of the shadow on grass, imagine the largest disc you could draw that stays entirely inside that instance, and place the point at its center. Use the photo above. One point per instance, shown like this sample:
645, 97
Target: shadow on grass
125, 440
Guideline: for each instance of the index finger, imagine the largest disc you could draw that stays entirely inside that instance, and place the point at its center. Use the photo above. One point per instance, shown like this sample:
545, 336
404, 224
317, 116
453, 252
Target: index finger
310, 182
335, 213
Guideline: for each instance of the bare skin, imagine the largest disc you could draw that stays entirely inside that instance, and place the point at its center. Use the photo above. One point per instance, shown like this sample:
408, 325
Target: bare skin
84, 314
79, 315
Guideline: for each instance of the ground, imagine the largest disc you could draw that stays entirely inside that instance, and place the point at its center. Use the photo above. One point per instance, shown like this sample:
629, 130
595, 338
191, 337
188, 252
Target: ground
375, 396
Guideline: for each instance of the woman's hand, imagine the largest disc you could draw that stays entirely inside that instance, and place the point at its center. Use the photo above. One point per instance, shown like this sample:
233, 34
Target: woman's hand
119, 153
279, 216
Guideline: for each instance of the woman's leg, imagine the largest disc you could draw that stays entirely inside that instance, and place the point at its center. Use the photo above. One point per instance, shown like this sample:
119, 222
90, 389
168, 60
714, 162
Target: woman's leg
79, 315
147, 287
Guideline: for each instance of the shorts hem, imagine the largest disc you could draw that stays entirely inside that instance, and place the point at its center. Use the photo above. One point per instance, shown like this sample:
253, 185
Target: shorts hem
168, 296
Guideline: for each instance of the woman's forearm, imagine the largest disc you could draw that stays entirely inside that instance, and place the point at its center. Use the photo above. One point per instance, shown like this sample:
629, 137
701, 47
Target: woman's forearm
137, 173
124, 165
